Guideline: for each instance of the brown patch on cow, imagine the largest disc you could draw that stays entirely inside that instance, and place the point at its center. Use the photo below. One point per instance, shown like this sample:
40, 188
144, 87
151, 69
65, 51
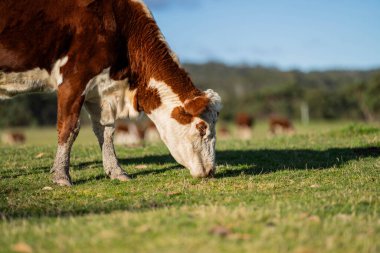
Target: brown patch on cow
181, 116
148, 99
202, 128
196, 106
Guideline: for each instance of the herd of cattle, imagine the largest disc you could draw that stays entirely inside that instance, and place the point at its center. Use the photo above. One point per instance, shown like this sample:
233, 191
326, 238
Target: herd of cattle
137, 133
244, 125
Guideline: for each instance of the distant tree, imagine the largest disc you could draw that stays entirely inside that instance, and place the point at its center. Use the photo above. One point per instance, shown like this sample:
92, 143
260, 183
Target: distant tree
372, 97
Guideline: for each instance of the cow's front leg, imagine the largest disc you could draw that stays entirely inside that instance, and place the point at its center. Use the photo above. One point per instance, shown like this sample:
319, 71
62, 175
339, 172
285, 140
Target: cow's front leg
70, 101
105, 138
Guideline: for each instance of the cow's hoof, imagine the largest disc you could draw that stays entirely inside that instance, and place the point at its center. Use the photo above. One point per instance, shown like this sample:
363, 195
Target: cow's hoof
62, 181
121, 177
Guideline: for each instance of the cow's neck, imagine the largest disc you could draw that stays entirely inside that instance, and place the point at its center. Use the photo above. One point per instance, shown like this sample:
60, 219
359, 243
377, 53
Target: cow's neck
152, 62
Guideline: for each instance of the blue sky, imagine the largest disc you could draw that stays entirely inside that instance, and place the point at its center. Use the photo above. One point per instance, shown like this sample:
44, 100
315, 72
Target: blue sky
305, 34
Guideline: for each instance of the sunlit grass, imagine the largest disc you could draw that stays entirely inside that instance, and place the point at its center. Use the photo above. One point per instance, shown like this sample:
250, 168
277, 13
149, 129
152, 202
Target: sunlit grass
315, 191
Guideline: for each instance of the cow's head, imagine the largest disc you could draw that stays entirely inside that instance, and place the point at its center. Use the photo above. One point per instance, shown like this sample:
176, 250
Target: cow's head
188, 130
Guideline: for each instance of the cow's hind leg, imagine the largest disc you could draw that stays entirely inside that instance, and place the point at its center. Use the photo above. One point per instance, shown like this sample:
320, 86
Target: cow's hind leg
105, 138
60, 170
70, 101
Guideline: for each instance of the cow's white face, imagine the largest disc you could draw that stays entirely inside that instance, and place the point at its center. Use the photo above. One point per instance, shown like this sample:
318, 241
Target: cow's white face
188, 130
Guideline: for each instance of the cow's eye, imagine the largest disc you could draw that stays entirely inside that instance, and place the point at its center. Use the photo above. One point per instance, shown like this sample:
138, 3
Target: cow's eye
202, 128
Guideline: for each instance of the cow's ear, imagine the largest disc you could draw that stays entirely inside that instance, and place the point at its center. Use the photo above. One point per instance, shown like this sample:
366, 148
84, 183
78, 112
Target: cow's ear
197, 105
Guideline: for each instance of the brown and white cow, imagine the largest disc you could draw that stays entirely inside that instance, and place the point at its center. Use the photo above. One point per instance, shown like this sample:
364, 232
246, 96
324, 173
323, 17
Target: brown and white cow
280, 125
13, 138
244, 123
110, 56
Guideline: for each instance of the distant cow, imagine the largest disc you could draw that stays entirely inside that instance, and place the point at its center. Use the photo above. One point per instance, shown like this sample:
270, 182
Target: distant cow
136, 133
151, 133
278, 125
244, 120
13, 138
129, 134
224, 132
110, 56
244, 123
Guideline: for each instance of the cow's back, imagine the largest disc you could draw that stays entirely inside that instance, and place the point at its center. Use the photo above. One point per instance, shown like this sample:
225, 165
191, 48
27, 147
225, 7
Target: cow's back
33, 33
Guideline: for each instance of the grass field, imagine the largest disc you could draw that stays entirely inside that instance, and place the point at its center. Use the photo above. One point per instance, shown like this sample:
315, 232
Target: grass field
315, 191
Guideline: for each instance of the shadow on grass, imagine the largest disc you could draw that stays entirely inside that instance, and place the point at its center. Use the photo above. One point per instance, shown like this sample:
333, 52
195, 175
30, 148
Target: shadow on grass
149, 172
236, 162
131, 175
259, 161
268, 160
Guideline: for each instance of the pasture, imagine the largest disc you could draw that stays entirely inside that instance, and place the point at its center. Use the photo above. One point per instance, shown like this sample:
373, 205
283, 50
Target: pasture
315, 191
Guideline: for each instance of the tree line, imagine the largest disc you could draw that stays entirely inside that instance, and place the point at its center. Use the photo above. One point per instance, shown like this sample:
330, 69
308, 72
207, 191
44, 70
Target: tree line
256, 90
262, 91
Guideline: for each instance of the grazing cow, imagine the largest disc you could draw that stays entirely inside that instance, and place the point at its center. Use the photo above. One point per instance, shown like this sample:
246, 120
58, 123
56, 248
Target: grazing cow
278, 125
244, 124
244, 120
110, 56
128, 134
13, 138
135, 133
224, 132
151, 134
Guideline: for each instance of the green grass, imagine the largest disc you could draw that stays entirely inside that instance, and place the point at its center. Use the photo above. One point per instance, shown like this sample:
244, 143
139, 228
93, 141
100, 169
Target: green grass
315, 191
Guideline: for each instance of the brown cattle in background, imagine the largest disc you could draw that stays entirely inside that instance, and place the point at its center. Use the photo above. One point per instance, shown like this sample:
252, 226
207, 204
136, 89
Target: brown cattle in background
244, 123
132, 134
244, 120
279, 125
224, 132
13, 138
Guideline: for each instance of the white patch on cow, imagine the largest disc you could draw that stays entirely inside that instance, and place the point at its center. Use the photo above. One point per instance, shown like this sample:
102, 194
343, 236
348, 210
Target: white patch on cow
166, 93
12, 84
115, 97
215, 101
35, 80
56, 71
162, 114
